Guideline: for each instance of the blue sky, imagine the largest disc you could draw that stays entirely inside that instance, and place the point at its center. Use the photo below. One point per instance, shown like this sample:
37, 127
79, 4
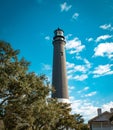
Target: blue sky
88, 26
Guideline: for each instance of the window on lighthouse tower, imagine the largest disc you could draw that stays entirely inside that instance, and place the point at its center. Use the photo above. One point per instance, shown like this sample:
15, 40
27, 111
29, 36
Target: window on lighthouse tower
61, 53
59, 33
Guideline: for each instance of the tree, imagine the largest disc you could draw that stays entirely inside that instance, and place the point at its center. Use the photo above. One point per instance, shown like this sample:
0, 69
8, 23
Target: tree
54, 115
19, 89
80, 125
64, 119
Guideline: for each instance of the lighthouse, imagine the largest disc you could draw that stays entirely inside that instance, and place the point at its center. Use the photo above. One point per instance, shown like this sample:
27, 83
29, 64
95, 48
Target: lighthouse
59, 76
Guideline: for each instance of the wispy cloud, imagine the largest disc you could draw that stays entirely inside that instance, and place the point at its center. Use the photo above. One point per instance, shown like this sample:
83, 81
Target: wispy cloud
84, 89
77, 77
104, 49
89, 39
65, 7
74, 45
81, 77
80, 68
78, 57
68, 36
47, 38
84, 107
70, 76
90, 94
87, 64
46, 67
103, 70
107, 106
73, 69
75, 16
70, 65
71, 88
106, 27
103, 37
87, 108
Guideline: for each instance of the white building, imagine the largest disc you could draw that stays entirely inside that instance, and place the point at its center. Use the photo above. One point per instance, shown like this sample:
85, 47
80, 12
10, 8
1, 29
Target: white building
103, 121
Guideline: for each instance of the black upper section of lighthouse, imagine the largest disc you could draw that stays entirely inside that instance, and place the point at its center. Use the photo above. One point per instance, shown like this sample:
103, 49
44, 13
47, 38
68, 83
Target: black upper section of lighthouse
58, 34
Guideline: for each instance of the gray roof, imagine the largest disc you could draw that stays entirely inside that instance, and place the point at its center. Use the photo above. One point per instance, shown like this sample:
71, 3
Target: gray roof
105, 116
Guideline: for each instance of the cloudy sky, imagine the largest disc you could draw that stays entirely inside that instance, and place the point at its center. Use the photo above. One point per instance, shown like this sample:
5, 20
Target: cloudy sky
88, 26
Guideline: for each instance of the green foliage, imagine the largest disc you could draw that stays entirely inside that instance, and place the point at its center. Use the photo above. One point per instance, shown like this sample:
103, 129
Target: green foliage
19, 89
80, 122
59, 115
24, 102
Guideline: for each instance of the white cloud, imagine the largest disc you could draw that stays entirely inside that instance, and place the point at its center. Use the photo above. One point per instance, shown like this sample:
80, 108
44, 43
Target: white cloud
68, 36
102, 70
46, 67
78, 57
71, 88
81, 77
104, 49
65, 7
106, 27
84, 107
87, 108
47, 38
89, 39
69, 76
74, 46
69, 65
103, 37
75, 16
80, 68
85, 89
72, 70
107, 106
88, 64
90, 94
77, 77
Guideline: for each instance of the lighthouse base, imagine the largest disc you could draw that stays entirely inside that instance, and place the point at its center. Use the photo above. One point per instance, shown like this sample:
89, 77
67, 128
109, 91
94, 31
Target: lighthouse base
63, 100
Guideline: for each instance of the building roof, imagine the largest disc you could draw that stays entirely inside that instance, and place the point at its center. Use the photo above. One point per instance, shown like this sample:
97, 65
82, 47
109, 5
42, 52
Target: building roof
103, 117
58, 29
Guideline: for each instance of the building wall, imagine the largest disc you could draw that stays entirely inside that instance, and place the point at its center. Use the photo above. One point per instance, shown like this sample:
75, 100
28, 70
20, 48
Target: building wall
101, 126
